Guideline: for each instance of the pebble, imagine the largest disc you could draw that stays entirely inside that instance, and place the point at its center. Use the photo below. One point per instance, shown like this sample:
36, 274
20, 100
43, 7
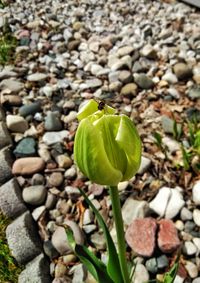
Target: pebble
60, 270
28, 166
143, 81
55, 179
162, 262
50, 138
52, 122
30, 109
196, 241
182, 71
88, 217
37, 77
189, 248
63, 161
170, 78
140, 236
34, 195
191, 269
133, 209
16, 123
38, 212
25, 148
159, 203
129, 89
174, 205
186, 214
49, 249
168, 240
194, 92
151, 265
79, 273
145, 165
98, 240
196, 193
141, 274
196, 217
14, 86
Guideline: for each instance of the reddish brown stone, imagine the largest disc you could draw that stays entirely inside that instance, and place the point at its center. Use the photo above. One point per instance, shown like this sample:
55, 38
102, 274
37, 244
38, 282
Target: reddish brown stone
168, 240
140, 236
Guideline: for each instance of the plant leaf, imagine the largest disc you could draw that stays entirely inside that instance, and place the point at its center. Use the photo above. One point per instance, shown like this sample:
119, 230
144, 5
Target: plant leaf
113, 266
95, 266
170, 276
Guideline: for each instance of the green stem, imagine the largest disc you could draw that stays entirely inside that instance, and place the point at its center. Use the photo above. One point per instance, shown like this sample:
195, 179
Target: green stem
116, 208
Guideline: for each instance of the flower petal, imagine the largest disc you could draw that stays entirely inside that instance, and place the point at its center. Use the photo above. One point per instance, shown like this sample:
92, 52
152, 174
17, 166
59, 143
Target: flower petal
91, 157
130, 142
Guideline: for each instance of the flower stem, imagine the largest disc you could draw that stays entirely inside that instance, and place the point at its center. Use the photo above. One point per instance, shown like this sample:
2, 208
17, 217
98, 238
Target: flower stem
116, 208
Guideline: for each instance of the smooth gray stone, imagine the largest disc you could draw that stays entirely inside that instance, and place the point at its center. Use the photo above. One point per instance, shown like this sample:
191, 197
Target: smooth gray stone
30, 109
193, 2
23, 239
5, 138
5, 166
36, 271
11, 202
25, 148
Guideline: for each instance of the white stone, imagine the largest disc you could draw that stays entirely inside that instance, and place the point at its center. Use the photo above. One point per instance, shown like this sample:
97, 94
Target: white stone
170, 78
16, 123
196, 241
50, 138
37, 77
191, 269
179, 279
133, 209
186, 214
144, 166
171, 144
189, 248
37, 212
179, 225
174, 205
196, 193
141, 274
159, 203
196, 217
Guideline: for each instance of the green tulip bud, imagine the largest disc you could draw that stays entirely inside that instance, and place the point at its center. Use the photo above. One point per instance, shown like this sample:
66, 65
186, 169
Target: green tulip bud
107, 147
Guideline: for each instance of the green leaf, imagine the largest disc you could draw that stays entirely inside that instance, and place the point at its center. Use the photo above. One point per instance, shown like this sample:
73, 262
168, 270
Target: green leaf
113, 266
158, 139
170, 276
95, 266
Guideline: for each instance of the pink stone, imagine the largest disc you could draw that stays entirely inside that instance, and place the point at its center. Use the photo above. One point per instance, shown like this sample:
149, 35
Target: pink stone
140, 236
168, 240
28, 165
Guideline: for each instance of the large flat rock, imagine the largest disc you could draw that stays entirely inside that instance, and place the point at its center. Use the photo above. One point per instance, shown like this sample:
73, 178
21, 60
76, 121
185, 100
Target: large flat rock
11, 202
195, 3
23, 238
5, 166
36, 271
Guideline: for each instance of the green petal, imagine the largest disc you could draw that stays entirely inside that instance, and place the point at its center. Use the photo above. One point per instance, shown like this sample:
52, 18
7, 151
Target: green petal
109, 125
91, 157
88, 109
130, 142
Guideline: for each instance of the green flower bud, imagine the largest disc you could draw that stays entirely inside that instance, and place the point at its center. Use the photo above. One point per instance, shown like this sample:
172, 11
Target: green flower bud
107, 147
